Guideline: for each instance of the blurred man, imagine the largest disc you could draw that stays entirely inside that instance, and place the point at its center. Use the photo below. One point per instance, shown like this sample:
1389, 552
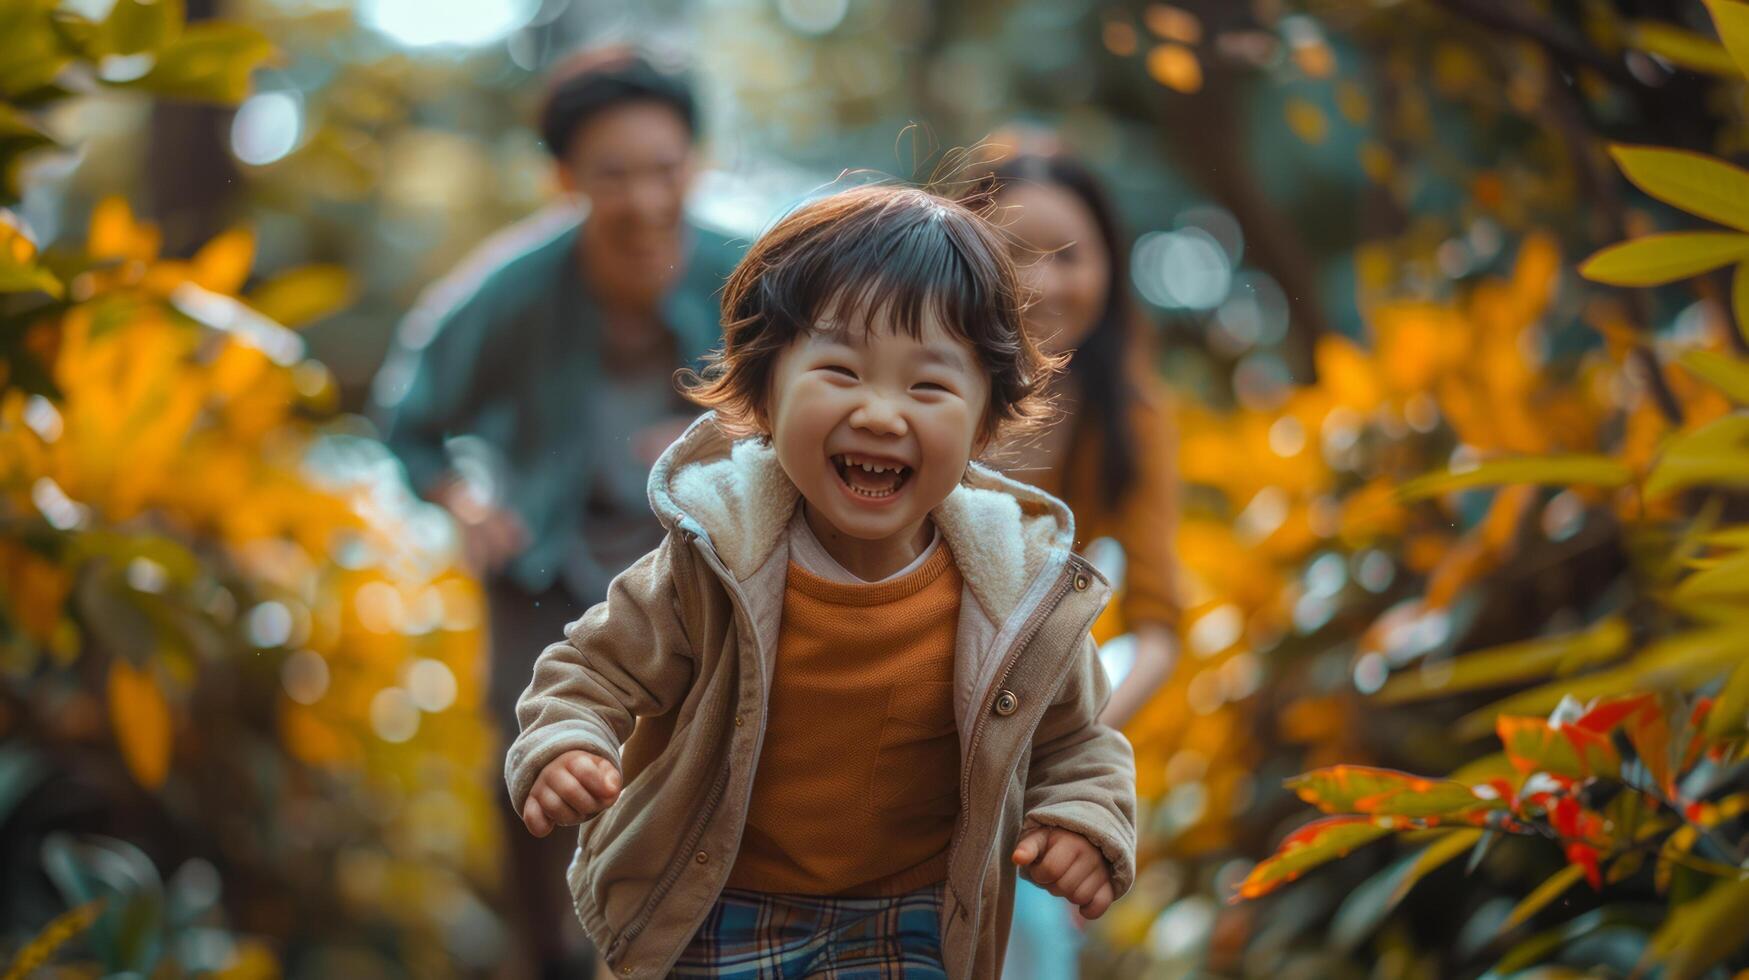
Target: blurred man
530, 392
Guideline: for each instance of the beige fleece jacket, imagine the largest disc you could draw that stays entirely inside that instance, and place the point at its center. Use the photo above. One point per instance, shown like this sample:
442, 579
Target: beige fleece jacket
668, 677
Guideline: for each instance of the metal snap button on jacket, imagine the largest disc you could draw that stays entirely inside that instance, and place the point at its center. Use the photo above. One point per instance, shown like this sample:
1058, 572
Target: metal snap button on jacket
1006, 703
1081, 583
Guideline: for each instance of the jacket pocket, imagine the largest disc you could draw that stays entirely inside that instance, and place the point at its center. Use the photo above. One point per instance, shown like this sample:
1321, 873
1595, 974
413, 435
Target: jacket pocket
917, 765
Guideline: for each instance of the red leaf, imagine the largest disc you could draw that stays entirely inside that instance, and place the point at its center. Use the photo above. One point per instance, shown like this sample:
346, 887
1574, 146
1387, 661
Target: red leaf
1321, 840
1610, 712
1533, 745
1585, 856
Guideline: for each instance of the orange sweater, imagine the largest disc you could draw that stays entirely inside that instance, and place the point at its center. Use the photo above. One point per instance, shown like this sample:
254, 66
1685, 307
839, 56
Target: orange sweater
857, 788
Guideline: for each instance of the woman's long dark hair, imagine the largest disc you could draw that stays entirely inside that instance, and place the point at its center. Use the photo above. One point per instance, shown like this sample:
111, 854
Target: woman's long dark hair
1107, 394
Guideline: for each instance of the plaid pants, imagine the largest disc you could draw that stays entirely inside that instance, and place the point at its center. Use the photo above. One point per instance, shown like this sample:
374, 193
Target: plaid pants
755, 936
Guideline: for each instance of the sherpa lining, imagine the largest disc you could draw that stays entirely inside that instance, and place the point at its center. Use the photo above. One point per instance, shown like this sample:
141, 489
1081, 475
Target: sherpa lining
1003, 533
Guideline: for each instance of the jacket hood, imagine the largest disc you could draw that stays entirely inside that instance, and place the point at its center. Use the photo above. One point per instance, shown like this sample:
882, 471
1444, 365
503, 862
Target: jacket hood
1003, 533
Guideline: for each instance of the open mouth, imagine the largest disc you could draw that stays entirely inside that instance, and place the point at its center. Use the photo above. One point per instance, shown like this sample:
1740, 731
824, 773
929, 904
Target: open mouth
874, 479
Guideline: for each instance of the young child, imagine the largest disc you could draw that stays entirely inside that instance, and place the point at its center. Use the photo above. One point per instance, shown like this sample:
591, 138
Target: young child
817, 729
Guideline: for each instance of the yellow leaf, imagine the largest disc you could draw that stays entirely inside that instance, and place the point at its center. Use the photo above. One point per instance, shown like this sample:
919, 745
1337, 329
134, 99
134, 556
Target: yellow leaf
116, 235
1578, 468
1686, 659
141, 718
1730, 375
1694, 182
57, 933
1510, 664
304, 294
1654, 260
1699, 933
211, 62
1679, 47
1732, 707
1726, 582
254, 961
1716, 454
222, 265
1731, 20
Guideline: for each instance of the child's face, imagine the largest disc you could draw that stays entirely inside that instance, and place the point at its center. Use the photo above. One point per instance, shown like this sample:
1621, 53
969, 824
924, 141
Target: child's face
846, 398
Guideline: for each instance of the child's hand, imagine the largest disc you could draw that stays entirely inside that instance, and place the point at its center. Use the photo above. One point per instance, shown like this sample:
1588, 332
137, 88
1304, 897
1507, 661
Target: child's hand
1067, 865
571, 788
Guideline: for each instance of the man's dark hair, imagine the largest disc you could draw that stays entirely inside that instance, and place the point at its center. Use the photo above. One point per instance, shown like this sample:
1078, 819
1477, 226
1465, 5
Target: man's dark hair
841, 262
592, 81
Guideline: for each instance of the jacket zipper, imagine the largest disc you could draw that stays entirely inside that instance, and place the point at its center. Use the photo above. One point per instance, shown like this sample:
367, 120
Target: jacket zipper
678, 862
675, 866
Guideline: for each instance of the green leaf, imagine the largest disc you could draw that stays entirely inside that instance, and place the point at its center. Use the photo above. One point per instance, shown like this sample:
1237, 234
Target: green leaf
1316, 843
1387, 792
1576, 469
1731, 20
210, 62
1653, 260
1702, 932
1695, 52
1510, 664
1715, 455
1730, 375
1696, 183
1552, 888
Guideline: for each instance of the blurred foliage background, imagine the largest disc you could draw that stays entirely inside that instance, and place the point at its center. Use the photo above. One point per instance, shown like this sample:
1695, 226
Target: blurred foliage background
1489, 521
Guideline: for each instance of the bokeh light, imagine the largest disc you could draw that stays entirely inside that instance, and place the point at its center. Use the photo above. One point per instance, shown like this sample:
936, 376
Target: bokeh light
462, 23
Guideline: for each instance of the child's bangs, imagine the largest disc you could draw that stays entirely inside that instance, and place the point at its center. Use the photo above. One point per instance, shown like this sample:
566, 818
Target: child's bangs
899, 277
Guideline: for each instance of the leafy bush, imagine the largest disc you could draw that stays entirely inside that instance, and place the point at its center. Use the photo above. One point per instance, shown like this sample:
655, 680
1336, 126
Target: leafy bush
230, 640
1628, 752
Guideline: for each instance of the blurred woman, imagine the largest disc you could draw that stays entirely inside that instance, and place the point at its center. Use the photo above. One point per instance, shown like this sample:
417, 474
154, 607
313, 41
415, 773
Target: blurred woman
1110, 456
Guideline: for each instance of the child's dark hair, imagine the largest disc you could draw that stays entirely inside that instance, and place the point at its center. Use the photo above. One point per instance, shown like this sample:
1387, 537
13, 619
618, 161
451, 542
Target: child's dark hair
847, 259
1100, 367
590, 82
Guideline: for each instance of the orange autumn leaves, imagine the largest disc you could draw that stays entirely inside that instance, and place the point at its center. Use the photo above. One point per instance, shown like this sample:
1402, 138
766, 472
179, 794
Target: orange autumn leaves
1322, 467
179, 417
142, 720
